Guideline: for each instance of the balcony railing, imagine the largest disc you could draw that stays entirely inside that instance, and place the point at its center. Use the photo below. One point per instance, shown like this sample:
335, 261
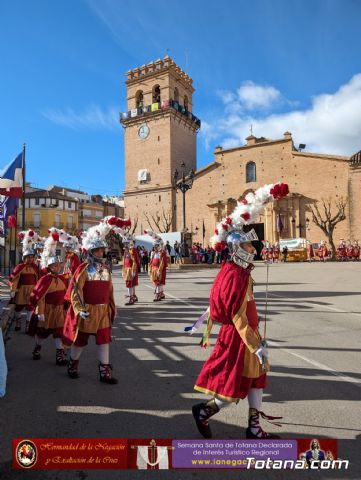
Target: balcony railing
155, 107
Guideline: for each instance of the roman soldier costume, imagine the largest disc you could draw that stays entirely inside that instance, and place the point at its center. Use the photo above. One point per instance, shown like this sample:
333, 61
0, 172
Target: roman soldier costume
270, 253
92, 307
322, 251
47, 300
72, 260
24, 277
237, 367
158, 266
356, 251
350, 251
276, 252
341, 251
131, 266
311, 254
264, 252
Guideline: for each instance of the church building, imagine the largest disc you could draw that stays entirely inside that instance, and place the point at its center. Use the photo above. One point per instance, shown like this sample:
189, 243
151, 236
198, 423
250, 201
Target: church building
160, 131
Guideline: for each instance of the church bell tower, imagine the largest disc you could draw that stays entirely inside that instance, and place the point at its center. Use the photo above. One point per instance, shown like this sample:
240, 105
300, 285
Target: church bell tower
159, 135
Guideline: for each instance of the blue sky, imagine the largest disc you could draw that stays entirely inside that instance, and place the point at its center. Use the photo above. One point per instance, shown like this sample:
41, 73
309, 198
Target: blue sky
278, 65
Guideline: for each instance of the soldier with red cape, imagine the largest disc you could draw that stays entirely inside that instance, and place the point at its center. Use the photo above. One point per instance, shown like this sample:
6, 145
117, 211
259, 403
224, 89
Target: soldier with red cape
23, 278
158, 266
47, 301
356, 251
238, 365
131, 266
92, 308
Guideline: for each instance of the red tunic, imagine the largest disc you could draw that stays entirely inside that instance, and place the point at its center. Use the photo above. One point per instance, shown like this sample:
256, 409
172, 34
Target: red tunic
158, 263
97, 296
48, 296
136, 256
233, 368
23, 280
131, 264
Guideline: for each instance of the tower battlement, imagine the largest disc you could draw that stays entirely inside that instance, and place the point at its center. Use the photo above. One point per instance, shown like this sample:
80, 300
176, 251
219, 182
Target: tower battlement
156, 67
160, 133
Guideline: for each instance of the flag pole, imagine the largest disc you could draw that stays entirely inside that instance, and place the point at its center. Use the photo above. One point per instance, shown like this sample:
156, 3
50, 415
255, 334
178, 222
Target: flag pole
16, 236
9, 266
23, 193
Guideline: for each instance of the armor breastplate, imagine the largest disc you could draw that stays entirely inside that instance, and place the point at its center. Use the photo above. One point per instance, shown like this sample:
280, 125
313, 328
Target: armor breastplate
67, 266
98, 271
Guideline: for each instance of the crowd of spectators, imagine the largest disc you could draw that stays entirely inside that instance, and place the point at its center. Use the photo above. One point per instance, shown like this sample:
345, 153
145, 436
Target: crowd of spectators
198, 254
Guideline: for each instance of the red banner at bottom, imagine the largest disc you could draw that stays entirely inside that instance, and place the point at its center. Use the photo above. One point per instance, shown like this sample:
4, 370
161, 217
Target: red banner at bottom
163, 454
87, 454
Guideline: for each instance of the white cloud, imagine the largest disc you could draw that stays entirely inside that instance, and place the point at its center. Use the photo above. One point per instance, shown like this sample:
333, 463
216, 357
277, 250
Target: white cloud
331, 125
208, 133
93, 117
227, 97
253, 96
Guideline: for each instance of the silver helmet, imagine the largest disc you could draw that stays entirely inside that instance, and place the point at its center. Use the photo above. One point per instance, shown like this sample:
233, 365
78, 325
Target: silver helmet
28, 252
98, 243
39, 246
235, 239
54, 259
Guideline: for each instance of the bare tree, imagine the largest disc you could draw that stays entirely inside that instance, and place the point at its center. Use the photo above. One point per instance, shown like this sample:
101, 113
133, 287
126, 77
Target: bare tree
162, 223
327, 221
134, 225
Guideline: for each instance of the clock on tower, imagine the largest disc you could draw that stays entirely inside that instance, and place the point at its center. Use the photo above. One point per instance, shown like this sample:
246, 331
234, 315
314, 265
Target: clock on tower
160, 133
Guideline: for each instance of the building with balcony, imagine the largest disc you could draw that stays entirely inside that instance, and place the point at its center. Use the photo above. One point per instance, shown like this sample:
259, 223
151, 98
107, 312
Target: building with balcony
48, 208
91, 208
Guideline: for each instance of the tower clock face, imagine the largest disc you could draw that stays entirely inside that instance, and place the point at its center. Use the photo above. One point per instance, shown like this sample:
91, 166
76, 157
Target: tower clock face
143, 131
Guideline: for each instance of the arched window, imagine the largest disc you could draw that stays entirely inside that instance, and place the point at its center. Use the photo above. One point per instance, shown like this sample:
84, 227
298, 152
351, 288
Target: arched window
176, 95
156, 94
139, 99
186, 102
250, 172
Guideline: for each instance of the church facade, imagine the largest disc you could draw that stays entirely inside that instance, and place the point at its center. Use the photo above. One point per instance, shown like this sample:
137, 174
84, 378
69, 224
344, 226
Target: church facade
160, 132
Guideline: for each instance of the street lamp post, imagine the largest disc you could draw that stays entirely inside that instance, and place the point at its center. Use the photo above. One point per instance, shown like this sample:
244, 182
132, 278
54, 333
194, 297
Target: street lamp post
183, 184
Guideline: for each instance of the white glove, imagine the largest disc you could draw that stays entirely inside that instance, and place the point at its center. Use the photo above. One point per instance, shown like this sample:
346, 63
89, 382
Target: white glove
84, 315
12, 294
262, 353
41, 317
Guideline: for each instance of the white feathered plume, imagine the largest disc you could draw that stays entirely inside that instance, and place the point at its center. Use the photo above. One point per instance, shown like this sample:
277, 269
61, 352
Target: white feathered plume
94, 234
28, 239
69, 241
100, 231
49, 246
157, 238
247, 211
